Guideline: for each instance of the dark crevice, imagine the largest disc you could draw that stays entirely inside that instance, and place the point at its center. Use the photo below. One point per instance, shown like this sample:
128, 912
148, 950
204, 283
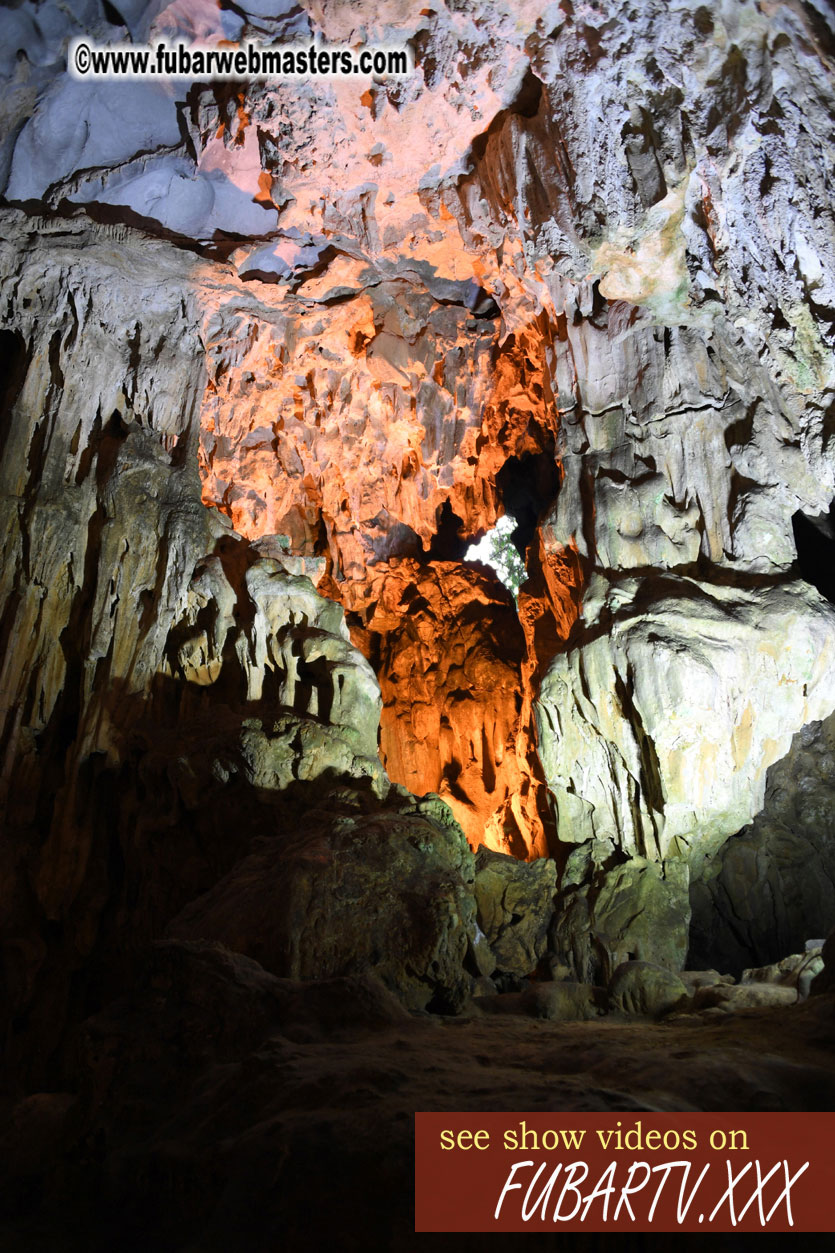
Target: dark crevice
814, 538
824, 31
14, 364
740, 433
528, 485
112, 14
650, 785
525, 104
447, 543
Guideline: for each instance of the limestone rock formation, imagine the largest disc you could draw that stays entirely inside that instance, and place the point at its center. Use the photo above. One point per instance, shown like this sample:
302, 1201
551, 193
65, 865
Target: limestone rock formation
565, 1001
798, 970
744, 996
515, 902
826, 979
446, 642
770, 889
155, 665
272, 353
643, 988
549, 1001
657, 735
611, 910
434, 305
358, 889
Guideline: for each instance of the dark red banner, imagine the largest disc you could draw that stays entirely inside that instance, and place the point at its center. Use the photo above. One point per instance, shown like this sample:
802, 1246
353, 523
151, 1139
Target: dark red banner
625, 1172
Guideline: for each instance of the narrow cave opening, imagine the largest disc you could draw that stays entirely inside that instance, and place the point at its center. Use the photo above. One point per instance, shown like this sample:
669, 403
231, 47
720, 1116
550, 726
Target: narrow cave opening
528, 485
814, 539
497, 550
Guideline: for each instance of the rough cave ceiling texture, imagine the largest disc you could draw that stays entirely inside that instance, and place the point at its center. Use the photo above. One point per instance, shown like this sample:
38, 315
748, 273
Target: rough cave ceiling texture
578, 267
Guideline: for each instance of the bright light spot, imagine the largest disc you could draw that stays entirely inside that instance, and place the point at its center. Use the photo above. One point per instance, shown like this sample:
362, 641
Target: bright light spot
496, 549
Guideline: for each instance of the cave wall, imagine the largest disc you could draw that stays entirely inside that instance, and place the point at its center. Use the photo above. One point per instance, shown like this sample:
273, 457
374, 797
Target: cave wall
159, 674
770, 889
623, 260
256, 335
448, 646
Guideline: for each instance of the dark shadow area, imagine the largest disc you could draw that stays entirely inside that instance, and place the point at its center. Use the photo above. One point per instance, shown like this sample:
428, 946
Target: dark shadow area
528, 486
814, 538
393, 540
447, 543
772, 886
14, 362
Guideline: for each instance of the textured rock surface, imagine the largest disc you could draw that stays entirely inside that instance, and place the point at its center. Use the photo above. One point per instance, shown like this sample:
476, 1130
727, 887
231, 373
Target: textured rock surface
445, 301
655, 269
515, 901
771, 888
568, 262
639, 987
826, 979
565, 1002
798, 970
657, 735
609, 913
745, 996
359, 888
695, 979
551, 1001
447, 644
158, 673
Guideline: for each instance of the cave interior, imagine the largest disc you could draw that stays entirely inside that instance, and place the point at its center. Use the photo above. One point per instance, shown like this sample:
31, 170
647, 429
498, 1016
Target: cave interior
310, 819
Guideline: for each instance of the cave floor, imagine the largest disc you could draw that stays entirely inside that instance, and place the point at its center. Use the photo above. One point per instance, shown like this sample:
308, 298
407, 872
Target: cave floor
303, 1137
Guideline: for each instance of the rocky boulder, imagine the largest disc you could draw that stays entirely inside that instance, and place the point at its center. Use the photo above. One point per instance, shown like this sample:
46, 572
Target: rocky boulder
565, 1002
361, 886
646, 989
771, 887
635, 911
732, 997
796, 971
515, 904
552, 1001
825, 981
693, 980
657, 733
